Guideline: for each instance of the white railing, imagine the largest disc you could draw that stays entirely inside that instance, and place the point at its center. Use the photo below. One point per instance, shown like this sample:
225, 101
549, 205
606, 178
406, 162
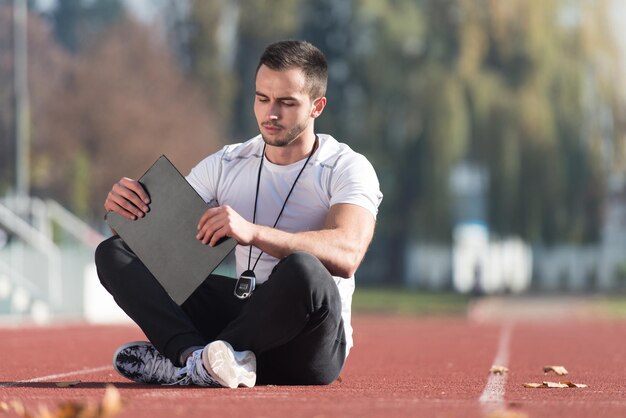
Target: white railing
43, 244
73, 225
31, 221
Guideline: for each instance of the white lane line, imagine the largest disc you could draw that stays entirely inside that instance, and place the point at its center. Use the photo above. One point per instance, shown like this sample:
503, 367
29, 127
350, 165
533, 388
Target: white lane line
493, 394
56, 376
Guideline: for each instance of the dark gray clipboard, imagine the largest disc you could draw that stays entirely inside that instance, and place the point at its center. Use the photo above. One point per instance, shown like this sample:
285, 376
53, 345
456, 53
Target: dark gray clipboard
165, 238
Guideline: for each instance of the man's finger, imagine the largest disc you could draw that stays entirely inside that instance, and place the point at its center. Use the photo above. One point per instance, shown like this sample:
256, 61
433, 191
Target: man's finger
217, 236
121, 192
117, 202
206, 216
209, 229
115, 207
137, 188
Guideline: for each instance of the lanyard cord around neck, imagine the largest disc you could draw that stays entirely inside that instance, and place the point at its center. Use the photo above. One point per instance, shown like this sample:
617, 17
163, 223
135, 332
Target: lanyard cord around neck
256, 198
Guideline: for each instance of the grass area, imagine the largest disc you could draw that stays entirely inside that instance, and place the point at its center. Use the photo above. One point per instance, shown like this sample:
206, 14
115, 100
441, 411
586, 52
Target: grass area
613, 306
409, 302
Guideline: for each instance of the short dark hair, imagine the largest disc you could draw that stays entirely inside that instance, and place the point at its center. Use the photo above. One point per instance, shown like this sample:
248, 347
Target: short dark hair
285, 55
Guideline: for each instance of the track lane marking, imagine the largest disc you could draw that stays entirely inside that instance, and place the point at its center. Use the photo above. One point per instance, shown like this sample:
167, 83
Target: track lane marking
56, 376
493, 394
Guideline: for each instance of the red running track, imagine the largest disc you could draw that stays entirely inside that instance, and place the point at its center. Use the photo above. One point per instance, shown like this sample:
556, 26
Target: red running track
400, 367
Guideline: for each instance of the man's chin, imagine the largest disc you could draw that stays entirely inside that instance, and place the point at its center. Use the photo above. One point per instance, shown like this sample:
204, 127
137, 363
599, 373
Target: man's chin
276, 142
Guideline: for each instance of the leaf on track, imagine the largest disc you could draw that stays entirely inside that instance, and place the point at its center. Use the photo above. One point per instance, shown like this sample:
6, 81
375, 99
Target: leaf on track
560, 370
554, 385
19, 409
506, 413
495, 369
110, 405
575, 385
533, 385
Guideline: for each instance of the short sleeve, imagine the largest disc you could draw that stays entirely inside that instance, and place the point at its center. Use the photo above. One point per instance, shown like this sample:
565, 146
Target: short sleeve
204, 177
354, 181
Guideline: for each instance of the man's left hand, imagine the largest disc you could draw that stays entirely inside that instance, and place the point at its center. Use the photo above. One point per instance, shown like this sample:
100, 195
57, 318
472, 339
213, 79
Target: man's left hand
224, 221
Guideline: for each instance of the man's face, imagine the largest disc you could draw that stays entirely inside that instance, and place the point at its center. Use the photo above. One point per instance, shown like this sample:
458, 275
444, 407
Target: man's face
282, 106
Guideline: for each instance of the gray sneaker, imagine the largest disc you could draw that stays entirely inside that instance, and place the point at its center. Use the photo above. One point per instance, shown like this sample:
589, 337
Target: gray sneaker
140, 362
228, 367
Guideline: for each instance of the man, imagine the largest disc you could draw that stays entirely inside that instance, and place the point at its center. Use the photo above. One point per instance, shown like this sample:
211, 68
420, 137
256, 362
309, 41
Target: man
302, 208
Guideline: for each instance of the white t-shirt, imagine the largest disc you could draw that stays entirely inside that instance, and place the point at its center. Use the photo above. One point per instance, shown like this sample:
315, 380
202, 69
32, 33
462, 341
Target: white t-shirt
335, 174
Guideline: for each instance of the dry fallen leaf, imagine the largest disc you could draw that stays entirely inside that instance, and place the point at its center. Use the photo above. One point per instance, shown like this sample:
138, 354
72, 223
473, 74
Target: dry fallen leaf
111, 405
574, 385
560, 370
69, 384
506, 413
554, 385
70, 410
498, 369
19, 409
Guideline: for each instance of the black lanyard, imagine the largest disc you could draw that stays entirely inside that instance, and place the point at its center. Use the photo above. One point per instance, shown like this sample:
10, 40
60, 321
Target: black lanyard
246, 283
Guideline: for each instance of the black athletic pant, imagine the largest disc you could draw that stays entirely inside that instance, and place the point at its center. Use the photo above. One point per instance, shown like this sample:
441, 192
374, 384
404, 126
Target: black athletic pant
292, 322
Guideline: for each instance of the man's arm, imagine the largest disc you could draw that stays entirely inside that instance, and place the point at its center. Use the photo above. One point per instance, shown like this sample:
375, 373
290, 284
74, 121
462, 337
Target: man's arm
340, 245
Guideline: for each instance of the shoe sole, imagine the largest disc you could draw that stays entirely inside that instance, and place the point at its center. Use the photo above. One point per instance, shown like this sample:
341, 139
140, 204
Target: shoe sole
229, 368
119, 350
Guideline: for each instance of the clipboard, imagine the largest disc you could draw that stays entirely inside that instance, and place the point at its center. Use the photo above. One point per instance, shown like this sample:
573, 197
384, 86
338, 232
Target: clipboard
165, 238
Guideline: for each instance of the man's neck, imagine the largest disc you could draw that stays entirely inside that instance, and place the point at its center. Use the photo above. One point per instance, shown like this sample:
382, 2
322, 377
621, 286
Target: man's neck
294, 152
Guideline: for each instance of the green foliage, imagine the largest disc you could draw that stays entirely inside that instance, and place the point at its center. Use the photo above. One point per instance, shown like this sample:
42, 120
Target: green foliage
613, 307
7, 115
525, 72
401, 301
227, 39
81, 185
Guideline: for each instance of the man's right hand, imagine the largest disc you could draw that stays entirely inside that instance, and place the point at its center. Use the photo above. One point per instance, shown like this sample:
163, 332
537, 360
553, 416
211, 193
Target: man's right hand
127, 198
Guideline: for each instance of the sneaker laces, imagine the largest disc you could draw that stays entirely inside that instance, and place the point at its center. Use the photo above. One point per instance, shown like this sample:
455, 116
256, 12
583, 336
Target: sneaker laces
195, 373
158, 368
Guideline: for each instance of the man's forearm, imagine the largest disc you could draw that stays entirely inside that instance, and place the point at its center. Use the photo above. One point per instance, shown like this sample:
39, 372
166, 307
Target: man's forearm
339, 255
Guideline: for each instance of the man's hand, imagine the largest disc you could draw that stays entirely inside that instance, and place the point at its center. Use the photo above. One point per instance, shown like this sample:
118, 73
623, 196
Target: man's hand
127, 198
223, 221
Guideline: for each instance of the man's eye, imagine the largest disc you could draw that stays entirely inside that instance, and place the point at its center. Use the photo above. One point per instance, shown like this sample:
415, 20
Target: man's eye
262, 99
288, 104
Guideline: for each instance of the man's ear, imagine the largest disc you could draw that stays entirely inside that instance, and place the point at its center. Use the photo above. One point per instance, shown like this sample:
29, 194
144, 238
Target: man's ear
318, 106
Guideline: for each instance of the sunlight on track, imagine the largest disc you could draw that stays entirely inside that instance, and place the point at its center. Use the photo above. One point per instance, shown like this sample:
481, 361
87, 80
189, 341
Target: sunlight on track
493, 394
56, 376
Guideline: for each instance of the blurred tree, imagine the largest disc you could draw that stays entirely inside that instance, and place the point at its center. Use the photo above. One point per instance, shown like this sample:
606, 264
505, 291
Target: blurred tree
7, 136
411, 109
47, 67
78, 21
537, 77
329, 24
220, 42
124, 104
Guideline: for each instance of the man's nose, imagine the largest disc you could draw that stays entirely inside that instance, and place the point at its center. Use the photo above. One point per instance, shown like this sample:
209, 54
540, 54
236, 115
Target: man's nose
273, 113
